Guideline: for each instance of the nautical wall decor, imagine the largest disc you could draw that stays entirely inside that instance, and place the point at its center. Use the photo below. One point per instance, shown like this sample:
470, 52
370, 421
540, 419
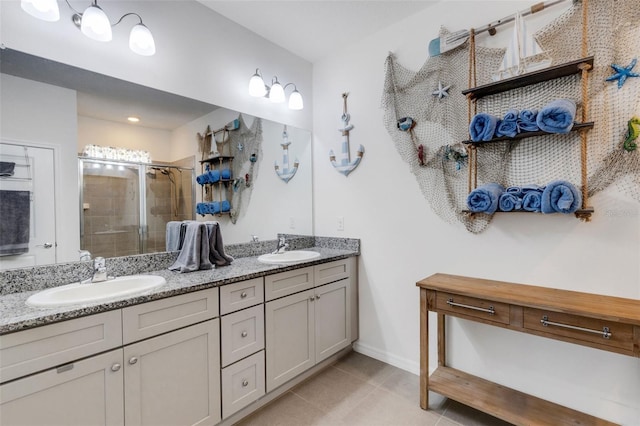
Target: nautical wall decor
286, 174
345, 165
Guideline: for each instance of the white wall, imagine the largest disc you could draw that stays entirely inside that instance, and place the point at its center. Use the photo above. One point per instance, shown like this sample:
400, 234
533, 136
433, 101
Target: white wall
403, 241
200, 54
41, 114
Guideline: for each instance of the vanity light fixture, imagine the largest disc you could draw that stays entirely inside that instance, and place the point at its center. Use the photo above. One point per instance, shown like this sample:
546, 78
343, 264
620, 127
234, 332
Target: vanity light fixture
275, 93
94, 23
133, 119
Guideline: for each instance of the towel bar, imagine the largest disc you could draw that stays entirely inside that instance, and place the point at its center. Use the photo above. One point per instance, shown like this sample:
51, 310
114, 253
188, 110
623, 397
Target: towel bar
606, 334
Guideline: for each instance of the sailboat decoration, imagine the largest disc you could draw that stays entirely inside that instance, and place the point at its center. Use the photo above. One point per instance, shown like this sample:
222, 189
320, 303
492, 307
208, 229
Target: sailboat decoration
346, 166
523, 54
286, 174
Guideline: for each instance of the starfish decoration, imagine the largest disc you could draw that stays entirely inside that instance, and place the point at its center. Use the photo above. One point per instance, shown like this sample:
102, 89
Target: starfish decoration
441, 92
622, 73
240, 146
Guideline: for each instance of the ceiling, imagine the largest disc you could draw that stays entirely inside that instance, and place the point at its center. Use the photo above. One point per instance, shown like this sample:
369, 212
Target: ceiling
312, 29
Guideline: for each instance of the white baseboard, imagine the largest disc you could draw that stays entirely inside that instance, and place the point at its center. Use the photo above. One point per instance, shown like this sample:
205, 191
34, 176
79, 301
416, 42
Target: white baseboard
402, 363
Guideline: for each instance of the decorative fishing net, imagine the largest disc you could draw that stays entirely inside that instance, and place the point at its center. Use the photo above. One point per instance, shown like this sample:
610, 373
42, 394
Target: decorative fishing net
441, 124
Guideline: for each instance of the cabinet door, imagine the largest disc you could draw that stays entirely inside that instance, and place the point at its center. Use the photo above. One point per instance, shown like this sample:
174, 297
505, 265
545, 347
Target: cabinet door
332, 318
289, 337
87, 392
174, 379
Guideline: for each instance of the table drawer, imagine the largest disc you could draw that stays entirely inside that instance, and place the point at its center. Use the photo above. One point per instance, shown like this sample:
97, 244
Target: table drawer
242, 383
463, 306
243, 294
242, 334
286, 283
580, 328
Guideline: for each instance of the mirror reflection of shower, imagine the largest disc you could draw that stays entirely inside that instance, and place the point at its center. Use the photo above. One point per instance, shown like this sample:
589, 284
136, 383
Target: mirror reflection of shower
125, 206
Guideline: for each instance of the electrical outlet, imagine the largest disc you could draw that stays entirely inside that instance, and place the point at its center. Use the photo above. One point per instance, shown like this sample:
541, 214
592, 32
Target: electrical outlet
292, 223
340, 223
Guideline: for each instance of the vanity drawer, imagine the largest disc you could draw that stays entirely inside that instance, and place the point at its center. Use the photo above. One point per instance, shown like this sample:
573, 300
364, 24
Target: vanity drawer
575, 327
242, 383
243, 294
37, 349
286, 283
157, 317
242, 334
463, 306
332, 271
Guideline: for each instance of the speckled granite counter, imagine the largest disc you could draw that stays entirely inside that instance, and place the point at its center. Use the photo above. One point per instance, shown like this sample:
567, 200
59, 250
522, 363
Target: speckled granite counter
16, 315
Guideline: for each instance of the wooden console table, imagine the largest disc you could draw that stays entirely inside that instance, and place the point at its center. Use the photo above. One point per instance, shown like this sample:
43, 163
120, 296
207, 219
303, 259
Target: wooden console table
602, 322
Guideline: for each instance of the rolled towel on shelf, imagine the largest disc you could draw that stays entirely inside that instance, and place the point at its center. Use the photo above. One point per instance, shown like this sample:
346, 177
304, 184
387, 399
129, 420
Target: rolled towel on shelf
509, 202
202, 179
225, 174
527, 120
225, 206
560, 196
482, 127
531, 201
214, 176
506, 128
485, 198
557, 116
213, 207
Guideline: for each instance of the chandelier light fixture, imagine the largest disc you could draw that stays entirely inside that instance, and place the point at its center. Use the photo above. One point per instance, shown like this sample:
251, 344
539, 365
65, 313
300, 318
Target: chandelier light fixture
276, 92
94, 23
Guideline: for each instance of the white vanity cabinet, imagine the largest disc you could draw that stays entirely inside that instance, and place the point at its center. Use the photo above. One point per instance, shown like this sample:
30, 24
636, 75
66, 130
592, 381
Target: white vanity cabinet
306, 327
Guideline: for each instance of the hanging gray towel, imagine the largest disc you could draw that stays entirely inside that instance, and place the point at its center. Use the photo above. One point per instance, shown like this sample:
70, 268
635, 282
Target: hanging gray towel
172, 240
194, 254
217, 255
15, 217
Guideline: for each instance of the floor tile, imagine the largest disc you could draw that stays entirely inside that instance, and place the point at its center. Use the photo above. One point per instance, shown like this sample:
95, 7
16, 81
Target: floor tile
288, 410
468, 416
364, 367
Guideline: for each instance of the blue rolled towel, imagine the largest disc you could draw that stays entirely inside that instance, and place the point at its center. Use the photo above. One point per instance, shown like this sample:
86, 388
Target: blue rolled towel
482, 127
203, 178
485, 198
560, 196
509, 202
214, 176
201, 209
557, 116
225, 174
213, 207
506, 128
527, 120
225, 206
531, 201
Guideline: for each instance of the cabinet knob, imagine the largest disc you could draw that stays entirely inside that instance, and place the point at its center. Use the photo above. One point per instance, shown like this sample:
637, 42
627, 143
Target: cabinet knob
318, 296
133, 360
245, 383
243, 334
312, 298
115, 367
243, 295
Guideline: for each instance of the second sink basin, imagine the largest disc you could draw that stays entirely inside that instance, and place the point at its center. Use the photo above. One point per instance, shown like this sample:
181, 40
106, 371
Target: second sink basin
76, 293
288, 257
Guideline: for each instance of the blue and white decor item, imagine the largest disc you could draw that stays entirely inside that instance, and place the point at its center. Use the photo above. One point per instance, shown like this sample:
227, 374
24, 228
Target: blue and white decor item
346, 166
287, 173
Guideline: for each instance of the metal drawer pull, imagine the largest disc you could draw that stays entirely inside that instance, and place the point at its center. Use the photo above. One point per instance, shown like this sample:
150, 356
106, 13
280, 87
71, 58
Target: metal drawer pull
245, 383
243, 294
605, 333
243, 334
489, 310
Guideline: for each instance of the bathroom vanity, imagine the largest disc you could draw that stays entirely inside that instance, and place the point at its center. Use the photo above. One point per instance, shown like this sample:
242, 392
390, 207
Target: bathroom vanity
213, 353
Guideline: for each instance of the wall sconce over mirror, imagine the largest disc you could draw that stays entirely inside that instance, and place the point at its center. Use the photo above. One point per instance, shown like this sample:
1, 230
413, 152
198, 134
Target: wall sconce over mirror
276, 92
94, 23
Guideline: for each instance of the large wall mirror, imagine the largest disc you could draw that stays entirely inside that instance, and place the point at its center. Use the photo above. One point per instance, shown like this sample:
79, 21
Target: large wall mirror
48, 104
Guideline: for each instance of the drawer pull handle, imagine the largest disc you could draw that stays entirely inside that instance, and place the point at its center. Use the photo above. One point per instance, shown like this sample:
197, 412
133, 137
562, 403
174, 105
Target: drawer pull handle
245, 383
243, 334
133, 360
605, 332
489, 310
115, 367
243, 295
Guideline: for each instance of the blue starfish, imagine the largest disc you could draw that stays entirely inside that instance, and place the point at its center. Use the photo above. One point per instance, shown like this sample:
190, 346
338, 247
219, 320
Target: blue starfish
441, 91
622, 73
240, 146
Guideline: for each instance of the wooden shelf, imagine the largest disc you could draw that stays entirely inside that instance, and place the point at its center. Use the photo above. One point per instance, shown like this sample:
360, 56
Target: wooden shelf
524, 135
217, 158
579, 213
535, 77
505, 403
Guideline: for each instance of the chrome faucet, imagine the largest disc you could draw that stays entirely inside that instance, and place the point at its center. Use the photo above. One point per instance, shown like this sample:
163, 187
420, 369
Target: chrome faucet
254, 238
84, 255
99, 270
282, 246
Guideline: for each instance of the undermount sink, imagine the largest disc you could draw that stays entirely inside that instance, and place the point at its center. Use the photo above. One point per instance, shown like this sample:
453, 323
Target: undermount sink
288, 256
76, 293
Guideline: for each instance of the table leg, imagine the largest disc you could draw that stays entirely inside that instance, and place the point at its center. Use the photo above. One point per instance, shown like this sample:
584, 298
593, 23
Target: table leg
424, 350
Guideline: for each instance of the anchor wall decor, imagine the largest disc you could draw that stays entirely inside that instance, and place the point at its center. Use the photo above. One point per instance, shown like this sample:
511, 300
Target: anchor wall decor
346, 166
286, 174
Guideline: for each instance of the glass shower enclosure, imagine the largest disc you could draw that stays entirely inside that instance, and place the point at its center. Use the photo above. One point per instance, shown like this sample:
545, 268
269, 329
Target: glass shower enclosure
124, 207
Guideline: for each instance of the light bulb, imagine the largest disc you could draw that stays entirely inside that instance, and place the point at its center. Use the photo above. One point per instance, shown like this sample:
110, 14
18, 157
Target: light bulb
276, 94
95, 24
256, 86
141, 40
295, 100
47, 10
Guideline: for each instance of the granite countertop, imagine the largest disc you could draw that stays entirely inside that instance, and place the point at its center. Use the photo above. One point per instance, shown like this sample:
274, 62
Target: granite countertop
16, 315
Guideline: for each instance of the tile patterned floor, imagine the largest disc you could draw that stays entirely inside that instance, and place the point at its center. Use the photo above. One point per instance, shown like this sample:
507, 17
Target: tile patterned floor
361, 391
